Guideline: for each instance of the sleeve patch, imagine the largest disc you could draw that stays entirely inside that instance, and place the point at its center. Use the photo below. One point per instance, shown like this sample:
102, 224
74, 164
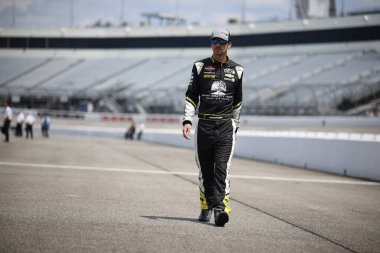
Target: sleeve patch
239, 70
199, 66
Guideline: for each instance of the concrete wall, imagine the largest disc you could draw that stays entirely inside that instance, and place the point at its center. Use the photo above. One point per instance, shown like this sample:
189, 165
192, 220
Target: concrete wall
354, 155
333, 150
345, 157
327, 122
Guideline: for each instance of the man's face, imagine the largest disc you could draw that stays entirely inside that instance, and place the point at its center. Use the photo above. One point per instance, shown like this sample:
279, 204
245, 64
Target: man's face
219, 46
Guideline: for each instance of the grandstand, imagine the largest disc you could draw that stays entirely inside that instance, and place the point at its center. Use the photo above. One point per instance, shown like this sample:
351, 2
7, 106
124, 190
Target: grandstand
305, 67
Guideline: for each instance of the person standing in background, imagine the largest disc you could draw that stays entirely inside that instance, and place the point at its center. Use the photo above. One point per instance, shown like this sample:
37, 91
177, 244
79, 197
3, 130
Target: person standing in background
45, 125
8, 115
29, 121
19, 122
140, 130
131, 131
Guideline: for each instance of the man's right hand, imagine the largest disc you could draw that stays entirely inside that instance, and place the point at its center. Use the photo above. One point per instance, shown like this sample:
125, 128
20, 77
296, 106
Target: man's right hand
186, 131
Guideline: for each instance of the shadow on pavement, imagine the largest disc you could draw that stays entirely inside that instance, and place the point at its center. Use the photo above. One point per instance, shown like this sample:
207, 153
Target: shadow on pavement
177, 219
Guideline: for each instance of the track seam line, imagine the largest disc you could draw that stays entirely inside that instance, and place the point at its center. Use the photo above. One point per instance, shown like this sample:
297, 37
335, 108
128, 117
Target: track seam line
252, 207
295, 225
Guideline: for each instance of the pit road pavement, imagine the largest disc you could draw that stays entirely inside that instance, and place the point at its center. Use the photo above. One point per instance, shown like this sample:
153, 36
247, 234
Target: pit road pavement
81, 194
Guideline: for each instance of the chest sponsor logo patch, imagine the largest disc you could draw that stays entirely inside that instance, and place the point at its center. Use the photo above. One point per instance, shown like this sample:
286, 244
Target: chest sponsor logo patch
229, 71
210, 68
230, 79
218, 88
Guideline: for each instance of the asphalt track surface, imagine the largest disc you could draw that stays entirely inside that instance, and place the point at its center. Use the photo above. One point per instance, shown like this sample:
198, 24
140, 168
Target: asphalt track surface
81, 194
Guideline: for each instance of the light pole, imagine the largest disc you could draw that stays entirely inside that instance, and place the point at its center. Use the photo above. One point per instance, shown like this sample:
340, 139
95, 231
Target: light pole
177, 11
71, 13
13, 13
122, 12
291, 6
243, 12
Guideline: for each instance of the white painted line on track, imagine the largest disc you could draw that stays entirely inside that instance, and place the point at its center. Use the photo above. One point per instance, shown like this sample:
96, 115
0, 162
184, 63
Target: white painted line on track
75, 167
285, 179
322, 135
308, 180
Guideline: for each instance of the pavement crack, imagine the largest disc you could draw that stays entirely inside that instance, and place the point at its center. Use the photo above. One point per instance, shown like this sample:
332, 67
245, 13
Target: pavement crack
249, 206
295, 225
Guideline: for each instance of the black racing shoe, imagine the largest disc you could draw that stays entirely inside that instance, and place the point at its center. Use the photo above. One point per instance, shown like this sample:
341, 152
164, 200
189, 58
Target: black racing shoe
205, 215
221, 217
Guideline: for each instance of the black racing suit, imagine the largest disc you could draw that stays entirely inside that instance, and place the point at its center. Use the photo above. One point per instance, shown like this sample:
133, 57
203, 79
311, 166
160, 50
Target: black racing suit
217, 87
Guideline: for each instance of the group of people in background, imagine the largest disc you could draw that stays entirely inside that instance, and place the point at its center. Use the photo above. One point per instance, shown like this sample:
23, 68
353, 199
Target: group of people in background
29, 120
138, 129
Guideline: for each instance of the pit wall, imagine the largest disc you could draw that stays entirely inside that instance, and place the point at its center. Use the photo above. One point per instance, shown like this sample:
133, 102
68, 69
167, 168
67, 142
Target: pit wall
336, 149
353, 155
332, 150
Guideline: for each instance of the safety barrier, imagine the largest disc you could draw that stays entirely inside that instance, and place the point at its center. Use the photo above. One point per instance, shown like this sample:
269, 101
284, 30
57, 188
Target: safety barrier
348, 154
341, 152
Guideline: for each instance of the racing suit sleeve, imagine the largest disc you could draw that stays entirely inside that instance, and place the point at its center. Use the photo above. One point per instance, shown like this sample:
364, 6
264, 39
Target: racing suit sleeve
192, 96
238, 97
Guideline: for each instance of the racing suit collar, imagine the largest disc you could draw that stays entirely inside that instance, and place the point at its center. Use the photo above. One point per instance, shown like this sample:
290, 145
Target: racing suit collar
221, 63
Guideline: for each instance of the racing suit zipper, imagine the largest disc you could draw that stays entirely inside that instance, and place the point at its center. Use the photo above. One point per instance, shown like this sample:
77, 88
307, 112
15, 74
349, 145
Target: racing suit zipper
220, 71
220, 77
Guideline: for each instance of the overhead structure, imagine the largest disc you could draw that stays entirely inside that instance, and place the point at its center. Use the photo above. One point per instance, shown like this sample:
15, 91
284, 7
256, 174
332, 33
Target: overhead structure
164, 19
306, 9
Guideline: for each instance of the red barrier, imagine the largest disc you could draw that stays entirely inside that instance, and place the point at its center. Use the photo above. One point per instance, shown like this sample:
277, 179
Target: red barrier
152, 119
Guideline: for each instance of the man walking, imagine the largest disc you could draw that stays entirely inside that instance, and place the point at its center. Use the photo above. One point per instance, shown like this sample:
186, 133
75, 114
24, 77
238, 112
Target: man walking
216, 85
8, 115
